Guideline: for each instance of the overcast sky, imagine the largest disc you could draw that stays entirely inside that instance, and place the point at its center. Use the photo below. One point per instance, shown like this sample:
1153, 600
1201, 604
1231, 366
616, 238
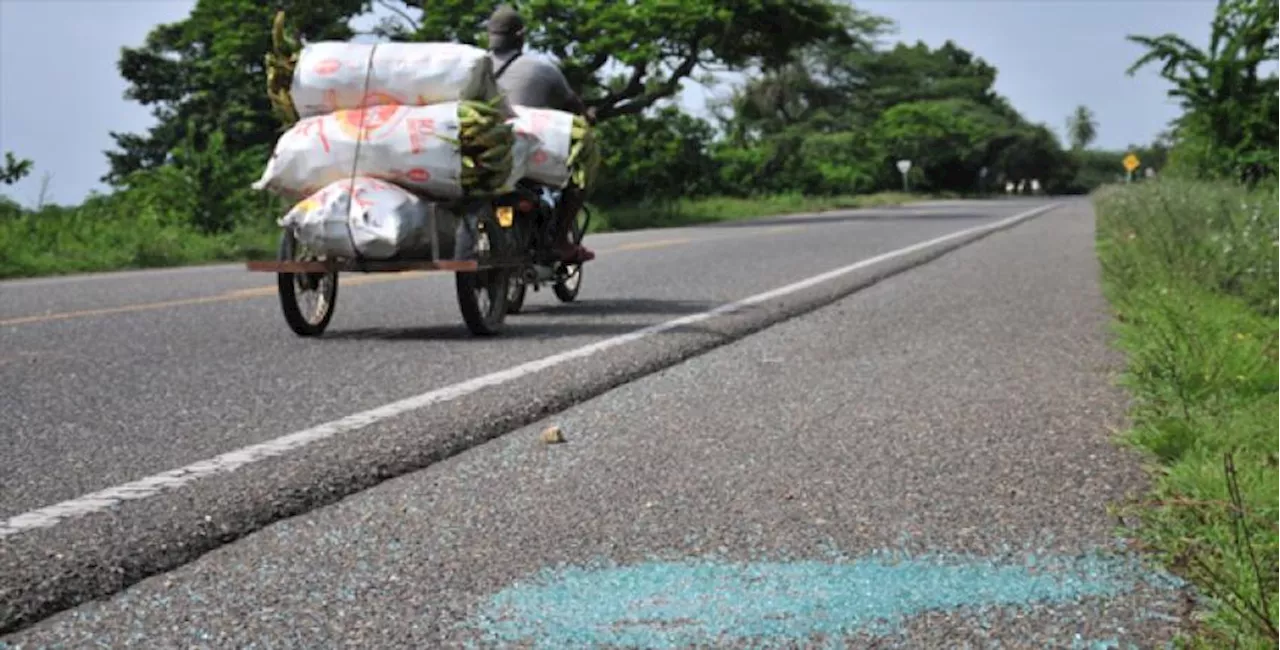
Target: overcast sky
60, 93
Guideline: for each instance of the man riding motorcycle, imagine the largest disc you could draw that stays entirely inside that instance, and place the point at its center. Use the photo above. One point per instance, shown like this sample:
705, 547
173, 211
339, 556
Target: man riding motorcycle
538, 83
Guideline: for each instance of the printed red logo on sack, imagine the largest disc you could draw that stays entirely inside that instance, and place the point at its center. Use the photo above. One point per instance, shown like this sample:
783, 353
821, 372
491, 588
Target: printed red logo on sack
419, 128
306, 127
540, 157
364, 123
327, 67
418, 175
379, 98
359, 197
423, 125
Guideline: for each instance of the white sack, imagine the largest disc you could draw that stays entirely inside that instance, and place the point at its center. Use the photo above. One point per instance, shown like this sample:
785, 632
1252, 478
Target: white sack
374, 218
410, 146
523, 150
330, 76
553, 132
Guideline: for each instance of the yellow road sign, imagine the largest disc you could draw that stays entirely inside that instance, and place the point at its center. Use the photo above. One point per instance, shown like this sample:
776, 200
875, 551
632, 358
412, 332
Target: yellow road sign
1130, 162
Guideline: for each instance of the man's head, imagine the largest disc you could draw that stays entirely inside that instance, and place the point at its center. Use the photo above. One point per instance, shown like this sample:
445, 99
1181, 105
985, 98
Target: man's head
506, 29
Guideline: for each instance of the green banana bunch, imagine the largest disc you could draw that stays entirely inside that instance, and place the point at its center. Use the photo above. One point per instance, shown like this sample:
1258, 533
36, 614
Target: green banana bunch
584, 154
486, 142
280, 63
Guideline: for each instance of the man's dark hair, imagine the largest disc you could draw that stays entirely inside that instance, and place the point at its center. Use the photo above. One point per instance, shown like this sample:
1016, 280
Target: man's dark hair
506, 29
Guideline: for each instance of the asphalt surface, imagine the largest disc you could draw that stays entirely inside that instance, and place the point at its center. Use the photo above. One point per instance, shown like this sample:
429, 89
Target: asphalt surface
962, 406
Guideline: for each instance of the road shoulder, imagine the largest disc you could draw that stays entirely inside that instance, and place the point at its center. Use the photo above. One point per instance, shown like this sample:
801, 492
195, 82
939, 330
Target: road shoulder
957, 413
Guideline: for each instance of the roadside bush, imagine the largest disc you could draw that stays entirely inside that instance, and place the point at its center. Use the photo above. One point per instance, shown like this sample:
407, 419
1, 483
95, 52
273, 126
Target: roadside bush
1190, 268
127, 229
1217, 237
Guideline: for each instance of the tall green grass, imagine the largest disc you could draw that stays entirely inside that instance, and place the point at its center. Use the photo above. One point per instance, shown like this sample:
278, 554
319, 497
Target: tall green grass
1191, 271
689, 212
126, 231
56, 241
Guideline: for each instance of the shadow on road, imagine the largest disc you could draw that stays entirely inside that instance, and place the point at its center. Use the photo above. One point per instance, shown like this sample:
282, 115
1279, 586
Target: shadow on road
623, 306
839, 217
459, 333
535, 322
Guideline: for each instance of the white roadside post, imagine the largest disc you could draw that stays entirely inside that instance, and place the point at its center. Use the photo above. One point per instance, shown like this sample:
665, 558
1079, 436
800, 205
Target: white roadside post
904, 166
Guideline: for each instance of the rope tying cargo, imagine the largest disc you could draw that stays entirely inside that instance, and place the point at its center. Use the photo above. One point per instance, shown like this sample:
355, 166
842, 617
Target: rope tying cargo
355, 161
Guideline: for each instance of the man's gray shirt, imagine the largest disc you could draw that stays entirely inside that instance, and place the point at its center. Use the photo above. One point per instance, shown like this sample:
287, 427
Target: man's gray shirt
532, 81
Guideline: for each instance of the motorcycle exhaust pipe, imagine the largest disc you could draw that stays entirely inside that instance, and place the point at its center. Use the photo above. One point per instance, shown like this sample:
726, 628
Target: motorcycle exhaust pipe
538, 273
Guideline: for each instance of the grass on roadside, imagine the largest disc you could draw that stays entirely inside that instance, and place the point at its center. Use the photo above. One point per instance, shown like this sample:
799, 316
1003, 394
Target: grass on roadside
1190, 269
690, 212
60, 241
110, 234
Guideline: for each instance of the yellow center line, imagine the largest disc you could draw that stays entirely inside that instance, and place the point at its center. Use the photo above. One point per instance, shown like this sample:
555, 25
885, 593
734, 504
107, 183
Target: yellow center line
645, 245
663, 243
270, 290
229, 296
85, 313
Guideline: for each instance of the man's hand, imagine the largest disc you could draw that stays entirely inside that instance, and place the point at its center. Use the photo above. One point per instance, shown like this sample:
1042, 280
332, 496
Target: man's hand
576, 106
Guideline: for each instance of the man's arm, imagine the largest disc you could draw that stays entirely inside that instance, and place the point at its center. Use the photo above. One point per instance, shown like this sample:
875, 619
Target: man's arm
580, 107
575, 104
571, 101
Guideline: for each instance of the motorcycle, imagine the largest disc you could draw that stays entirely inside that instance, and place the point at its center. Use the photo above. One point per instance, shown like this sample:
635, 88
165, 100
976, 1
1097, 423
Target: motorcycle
513, 238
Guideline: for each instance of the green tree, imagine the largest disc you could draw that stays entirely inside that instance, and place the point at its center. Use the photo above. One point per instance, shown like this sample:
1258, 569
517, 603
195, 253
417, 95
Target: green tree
835, 86
15, 169
205, 184
656, 44
1082, 128
1095, 167
914, 73
1155, 154
817, 85
800, 160
204, 75
948, 141
661, 156
1230, 122
817, 123
1032, 151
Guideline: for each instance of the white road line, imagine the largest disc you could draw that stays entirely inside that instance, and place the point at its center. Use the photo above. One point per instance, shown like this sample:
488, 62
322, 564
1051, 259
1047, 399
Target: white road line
230, 461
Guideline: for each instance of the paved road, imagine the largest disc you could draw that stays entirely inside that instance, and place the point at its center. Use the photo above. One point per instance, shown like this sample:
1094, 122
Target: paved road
960, 406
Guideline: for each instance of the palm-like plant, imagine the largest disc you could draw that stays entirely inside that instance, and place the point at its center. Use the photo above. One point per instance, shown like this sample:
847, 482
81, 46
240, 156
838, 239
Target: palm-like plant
1219, 87
1082, 128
